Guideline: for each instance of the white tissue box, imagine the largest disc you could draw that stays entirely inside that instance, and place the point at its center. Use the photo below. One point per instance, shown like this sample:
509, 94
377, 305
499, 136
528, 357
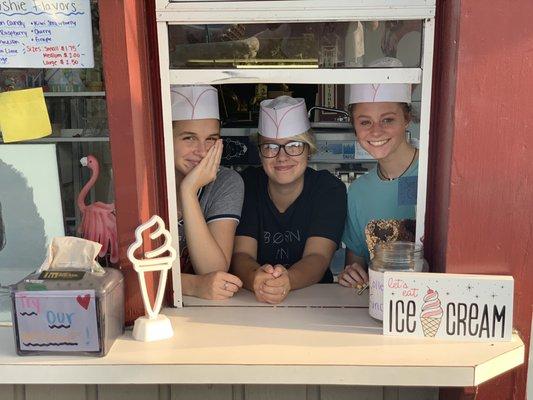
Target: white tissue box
68, 312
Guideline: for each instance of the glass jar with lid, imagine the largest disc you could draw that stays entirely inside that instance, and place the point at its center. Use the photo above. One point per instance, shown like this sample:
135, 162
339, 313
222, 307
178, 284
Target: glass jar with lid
392, 256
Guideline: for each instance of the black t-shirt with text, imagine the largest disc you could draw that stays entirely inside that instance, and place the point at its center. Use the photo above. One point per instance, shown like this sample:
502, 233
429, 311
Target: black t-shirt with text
320, 210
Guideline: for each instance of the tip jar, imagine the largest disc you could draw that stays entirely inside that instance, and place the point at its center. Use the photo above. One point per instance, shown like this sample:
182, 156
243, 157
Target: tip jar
391, 256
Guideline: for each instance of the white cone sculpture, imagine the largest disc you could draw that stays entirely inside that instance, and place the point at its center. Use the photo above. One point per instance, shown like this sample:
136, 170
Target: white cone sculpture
152, 326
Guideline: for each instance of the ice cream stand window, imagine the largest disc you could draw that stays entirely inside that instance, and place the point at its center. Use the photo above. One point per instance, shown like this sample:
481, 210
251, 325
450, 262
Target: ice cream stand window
309, 44
248, 352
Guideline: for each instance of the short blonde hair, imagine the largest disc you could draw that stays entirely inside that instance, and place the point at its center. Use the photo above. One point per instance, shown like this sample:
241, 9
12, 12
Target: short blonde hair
306, 137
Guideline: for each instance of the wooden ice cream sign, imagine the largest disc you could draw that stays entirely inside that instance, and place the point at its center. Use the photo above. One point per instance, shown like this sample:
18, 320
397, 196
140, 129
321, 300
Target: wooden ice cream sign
448, 306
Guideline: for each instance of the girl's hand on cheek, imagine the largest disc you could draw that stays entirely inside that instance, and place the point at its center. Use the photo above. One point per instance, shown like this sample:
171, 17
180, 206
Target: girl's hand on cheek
205, 172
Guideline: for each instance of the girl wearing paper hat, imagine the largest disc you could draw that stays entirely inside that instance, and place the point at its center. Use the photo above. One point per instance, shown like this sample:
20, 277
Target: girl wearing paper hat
383, 200
293, 216
209, 196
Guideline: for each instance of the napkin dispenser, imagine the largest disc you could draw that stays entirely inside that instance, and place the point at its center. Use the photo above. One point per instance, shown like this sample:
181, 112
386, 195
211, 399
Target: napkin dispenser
68, 309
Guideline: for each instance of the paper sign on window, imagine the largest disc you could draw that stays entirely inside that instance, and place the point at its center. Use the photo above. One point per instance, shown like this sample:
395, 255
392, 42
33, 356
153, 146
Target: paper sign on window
57, 320
448, 306
46, 34
23, 115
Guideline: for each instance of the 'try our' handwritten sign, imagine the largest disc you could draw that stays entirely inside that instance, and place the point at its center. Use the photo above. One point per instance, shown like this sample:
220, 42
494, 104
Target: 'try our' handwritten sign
448, 306
57, 320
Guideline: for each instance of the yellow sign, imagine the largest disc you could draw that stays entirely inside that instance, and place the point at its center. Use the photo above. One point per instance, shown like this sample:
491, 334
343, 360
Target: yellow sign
23, 115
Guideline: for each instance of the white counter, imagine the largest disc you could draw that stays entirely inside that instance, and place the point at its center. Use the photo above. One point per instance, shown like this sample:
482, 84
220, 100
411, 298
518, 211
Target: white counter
332, 341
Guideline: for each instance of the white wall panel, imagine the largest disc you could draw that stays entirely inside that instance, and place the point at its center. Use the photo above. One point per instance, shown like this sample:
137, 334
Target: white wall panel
275, 392
213, 392
312, 392
391, 393
351, 392
127, 392
203, 392
7, 392
410, 393
91, 392
55, 392
164, 392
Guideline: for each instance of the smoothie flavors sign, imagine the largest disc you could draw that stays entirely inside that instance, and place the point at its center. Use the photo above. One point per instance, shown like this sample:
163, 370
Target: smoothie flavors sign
448, 306
46, 34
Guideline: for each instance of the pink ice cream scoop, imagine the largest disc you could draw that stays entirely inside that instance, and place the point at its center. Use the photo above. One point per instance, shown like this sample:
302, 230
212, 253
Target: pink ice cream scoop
431, 307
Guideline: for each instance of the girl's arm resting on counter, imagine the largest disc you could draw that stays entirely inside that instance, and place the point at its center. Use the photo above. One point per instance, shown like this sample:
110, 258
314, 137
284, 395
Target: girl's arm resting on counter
189, 284
315, 261
355, 271
210, 245
244, 264
351, 258
216, 285
244, 261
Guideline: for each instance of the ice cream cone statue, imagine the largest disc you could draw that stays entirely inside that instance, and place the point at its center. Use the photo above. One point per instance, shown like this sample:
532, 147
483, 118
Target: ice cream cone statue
152, 326
431, 314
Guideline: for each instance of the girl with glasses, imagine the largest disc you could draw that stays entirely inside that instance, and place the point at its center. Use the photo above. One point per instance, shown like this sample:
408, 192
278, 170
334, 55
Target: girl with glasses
382, 203
209, 197
293, 216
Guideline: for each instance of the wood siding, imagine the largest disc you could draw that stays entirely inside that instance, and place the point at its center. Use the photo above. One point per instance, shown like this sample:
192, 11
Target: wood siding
212, 392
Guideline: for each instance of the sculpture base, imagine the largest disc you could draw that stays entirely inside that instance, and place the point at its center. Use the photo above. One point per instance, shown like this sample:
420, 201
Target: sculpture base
150, 330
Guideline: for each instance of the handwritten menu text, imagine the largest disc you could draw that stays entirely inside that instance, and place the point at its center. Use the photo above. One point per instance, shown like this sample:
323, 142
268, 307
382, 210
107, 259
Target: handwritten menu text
45, 34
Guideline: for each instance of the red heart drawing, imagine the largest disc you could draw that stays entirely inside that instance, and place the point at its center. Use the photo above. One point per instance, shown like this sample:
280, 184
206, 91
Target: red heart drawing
84, 300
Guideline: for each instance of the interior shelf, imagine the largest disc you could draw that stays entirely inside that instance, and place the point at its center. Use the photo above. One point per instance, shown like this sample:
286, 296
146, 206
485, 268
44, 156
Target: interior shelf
74, 94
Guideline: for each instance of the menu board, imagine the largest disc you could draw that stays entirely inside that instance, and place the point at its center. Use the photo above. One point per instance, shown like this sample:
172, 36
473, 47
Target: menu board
45, 34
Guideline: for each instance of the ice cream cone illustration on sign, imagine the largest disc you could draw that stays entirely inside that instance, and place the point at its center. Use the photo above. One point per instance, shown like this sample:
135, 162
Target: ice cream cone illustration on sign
431, 314
152, 326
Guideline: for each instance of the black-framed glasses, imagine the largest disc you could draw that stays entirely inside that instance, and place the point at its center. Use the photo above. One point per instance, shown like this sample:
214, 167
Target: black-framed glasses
271, 150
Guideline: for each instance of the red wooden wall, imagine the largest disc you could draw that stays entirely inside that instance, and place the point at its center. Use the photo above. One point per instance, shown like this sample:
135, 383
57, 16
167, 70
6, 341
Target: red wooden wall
129, 78
480, 209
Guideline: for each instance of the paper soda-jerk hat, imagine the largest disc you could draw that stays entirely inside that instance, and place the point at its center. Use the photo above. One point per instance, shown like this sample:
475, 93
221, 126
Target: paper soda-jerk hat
283, 117
194, 102
380, 92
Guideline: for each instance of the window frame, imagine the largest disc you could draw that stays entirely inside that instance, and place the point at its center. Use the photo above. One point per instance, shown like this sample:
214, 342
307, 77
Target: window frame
253, 11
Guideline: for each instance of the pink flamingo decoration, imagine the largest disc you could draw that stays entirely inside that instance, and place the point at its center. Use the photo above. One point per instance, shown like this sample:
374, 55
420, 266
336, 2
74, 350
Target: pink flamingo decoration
98, 222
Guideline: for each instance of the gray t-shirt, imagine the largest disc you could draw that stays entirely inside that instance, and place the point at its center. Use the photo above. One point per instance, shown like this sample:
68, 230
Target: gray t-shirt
220, 199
